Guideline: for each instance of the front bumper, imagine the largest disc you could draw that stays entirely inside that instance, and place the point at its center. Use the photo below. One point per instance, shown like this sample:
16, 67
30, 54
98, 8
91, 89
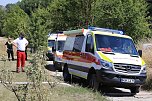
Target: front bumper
50, 56
113, 79
58, 65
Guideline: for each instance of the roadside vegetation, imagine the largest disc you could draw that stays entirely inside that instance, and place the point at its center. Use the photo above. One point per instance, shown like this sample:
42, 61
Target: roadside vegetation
36, 84
37, 18
147, 56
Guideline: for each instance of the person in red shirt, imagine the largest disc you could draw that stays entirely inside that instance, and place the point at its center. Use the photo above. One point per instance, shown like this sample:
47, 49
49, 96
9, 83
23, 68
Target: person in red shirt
20, 43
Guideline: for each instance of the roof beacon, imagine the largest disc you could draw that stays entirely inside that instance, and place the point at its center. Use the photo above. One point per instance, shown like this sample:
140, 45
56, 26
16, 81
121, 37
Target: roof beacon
105, 30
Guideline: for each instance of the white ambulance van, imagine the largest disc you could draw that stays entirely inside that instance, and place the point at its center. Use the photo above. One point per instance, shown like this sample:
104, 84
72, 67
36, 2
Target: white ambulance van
103, 57
51, 46
60, 40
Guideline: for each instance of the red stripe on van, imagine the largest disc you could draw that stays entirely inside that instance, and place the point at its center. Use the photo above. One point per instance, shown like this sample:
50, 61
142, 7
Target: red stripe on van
80, 57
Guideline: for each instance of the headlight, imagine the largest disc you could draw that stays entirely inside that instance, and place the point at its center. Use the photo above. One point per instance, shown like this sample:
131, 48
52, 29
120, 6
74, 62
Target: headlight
106, 64
143, 69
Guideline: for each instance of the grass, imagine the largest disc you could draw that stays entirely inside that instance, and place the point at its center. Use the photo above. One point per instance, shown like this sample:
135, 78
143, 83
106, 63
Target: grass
57, 93
6, 95
75, 93
54, 93
147, 57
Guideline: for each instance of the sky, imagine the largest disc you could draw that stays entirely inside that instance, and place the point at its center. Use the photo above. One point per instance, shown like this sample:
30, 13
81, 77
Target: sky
5, 2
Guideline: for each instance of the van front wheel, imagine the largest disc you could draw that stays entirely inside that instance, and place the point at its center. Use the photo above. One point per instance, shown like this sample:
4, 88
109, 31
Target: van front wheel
93, 83
66, 74
134, 90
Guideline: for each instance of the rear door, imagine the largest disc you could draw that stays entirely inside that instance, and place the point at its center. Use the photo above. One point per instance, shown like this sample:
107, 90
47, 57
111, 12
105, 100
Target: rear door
76, 61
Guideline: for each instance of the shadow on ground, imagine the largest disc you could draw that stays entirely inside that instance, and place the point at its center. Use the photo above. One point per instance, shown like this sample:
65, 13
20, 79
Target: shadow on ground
114, 92
50, 67
106, 91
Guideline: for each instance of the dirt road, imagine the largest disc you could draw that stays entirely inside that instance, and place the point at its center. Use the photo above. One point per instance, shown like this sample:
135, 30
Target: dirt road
118, 94
113, 94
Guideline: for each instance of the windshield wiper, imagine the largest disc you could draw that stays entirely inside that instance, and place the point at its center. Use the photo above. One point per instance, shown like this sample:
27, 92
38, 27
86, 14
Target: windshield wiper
132, 55
108, 53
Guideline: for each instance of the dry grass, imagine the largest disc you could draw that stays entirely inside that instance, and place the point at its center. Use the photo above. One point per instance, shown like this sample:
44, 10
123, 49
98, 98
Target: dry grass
6, 95
54, 92
147, 57
57, 93
3, 40
75, 93
2, 46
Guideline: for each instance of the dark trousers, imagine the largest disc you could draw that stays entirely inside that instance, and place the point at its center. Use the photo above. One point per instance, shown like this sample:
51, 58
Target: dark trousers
26, 55
10, 53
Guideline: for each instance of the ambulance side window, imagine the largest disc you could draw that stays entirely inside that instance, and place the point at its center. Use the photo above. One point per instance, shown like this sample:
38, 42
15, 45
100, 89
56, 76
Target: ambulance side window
78, 43
69, 43
90, 44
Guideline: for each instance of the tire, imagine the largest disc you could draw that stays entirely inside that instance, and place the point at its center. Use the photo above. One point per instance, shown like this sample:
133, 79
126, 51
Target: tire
54, 64
93, 83
134, 90
66, 74
57, 66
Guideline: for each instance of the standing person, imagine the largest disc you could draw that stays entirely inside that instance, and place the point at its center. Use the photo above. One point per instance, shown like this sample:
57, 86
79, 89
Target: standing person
26, 53
20, 43
9, 49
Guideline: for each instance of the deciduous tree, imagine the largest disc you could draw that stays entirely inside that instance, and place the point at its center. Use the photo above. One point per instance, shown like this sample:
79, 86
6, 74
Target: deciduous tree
15, 21
127, 15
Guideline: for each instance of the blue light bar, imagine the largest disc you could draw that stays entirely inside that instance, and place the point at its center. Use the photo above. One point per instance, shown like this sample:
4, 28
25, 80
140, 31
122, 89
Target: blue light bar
105, 30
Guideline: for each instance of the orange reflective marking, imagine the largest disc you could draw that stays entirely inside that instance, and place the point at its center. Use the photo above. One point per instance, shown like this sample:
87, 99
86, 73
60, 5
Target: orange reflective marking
80, 57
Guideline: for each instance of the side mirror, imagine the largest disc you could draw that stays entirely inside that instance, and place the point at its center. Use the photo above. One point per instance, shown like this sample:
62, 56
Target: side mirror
90, 48
140, 53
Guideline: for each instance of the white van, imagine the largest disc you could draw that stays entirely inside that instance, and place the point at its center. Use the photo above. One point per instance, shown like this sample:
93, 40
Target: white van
51, 46
103, 57
58, 53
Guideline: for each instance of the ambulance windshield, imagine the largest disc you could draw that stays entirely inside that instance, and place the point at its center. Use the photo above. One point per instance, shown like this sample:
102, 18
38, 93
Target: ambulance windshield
115, 44
61, 45
51, 43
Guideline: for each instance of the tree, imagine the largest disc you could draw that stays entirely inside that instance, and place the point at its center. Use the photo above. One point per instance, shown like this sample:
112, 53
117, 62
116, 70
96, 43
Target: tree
70, 14
150, 11
38, 27
15, 21
2, 14
126, 15
30, 6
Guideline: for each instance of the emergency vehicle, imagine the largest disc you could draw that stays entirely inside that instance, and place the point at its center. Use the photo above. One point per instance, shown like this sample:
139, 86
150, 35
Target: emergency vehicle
59, 43
103, 57
51, 46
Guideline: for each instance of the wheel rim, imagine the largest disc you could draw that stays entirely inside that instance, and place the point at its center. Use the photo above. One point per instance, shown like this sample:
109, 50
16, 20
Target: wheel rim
93, 83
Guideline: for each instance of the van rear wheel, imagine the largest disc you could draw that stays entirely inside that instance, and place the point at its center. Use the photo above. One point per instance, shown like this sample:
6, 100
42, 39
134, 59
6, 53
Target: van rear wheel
93, 83
66, 74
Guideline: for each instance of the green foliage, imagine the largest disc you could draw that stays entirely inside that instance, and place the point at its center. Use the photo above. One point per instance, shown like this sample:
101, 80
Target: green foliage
59, 15
38, 27
127, 15
150, 12
2, 14
31, 5
70, 14
15, 21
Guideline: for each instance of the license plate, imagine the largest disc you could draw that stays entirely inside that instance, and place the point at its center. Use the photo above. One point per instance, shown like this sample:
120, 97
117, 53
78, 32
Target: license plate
127, 80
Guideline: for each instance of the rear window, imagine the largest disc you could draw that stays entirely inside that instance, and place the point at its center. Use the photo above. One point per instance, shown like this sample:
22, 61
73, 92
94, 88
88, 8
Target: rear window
69, 43
78, 43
